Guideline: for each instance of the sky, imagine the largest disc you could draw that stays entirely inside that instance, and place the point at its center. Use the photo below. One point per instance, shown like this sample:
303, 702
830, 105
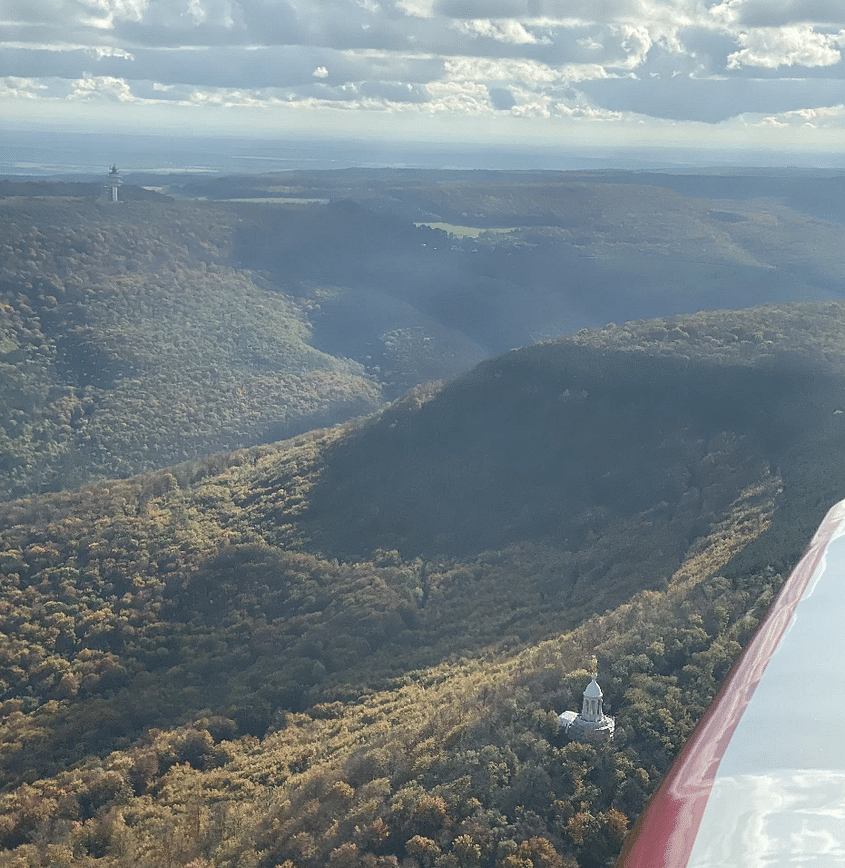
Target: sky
759, 75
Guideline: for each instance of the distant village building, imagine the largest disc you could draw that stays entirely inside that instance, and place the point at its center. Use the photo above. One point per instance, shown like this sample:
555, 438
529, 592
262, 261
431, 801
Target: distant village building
592, 724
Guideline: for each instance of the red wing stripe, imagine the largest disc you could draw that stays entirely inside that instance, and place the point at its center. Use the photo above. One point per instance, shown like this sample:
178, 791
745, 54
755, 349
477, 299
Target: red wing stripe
665, 833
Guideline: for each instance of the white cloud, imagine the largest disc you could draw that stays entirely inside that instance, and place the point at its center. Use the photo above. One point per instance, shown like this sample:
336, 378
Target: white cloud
486, 69
507, 30
107, 12
101, 51
819, 113
586, 112
20, 88
97, 51
530, 71
772, 47
529, 104
230, 97
726, 13
536, 109
464, 97
633, 61
819, 116
637, 43
416, 8
577, 72
590, 43
98, 86
195, 12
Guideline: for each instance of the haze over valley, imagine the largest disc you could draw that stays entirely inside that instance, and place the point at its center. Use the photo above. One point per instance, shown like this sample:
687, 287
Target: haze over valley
203, 315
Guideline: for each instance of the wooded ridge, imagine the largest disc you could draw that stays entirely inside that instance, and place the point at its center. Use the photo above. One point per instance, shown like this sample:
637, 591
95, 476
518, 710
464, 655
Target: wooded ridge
349, 648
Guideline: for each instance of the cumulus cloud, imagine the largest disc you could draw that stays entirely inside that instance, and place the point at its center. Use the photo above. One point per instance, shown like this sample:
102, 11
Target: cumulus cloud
99, 86
465, 97
20, 88
541, 61
486, 69
772, 47
101, 51
506, 30
587, 112
104, 13
637, 43
820, 113
417, 8
819, 116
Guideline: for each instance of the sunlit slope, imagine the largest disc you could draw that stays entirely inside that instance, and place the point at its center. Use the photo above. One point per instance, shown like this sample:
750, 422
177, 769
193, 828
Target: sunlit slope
396, 606
545, 485
460, 759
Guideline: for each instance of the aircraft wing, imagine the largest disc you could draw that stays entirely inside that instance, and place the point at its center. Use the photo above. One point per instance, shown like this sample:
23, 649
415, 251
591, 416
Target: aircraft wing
761, 781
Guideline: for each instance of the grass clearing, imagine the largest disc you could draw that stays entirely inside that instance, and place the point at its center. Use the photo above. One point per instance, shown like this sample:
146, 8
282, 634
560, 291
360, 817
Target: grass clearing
458, 231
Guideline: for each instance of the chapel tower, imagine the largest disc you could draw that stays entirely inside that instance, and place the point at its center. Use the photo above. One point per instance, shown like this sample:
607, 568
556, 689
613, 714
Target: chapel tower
592, 724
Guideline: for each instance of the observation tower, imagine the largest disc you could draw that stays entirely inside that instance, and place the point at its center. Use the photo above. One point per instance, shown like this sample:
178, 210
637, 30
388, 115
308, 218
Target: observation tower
114, 182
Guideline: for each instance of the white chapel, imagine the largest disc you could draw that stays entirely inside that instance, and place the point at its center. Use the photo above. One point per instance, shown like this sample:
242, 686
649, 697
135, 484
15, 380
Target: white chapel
592, 724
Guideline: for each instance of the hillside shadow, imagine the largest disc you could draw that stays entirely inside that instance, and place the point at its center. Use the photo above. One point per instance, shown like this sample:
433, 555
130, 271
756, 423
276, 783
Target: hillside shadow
525, 444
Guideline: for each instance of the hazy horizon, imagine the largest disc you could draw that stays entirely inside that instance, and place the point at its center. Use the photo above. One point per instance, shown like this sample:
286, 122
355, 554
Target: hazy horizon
68, 152
553, 84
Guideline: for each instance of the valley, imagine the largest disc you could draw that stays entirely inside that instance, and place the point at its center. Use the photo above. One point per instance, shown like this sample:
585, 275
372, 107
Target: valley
300, 560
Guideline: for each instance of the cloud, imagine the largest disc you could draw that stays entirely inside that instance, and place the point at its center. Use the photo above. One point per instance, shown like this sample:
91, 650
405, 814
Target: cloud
715, 100
465, 97
531, 62
772, 47
586, 112
417, 8
95, 51
525, 71
104, 13
820, 116
505, 30
636, 43
820, 113
99, 86
20, 88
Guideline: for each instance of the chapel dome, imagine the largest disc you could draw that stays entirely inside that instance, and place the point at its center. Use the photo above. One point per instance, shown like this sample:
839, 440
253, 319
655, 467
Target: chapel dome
593, 691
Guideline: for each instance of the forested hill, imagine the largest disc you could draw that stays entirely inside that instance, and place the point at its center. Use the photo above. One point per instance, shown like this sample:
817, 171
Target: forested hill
132, 337
139, 335
348, 649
